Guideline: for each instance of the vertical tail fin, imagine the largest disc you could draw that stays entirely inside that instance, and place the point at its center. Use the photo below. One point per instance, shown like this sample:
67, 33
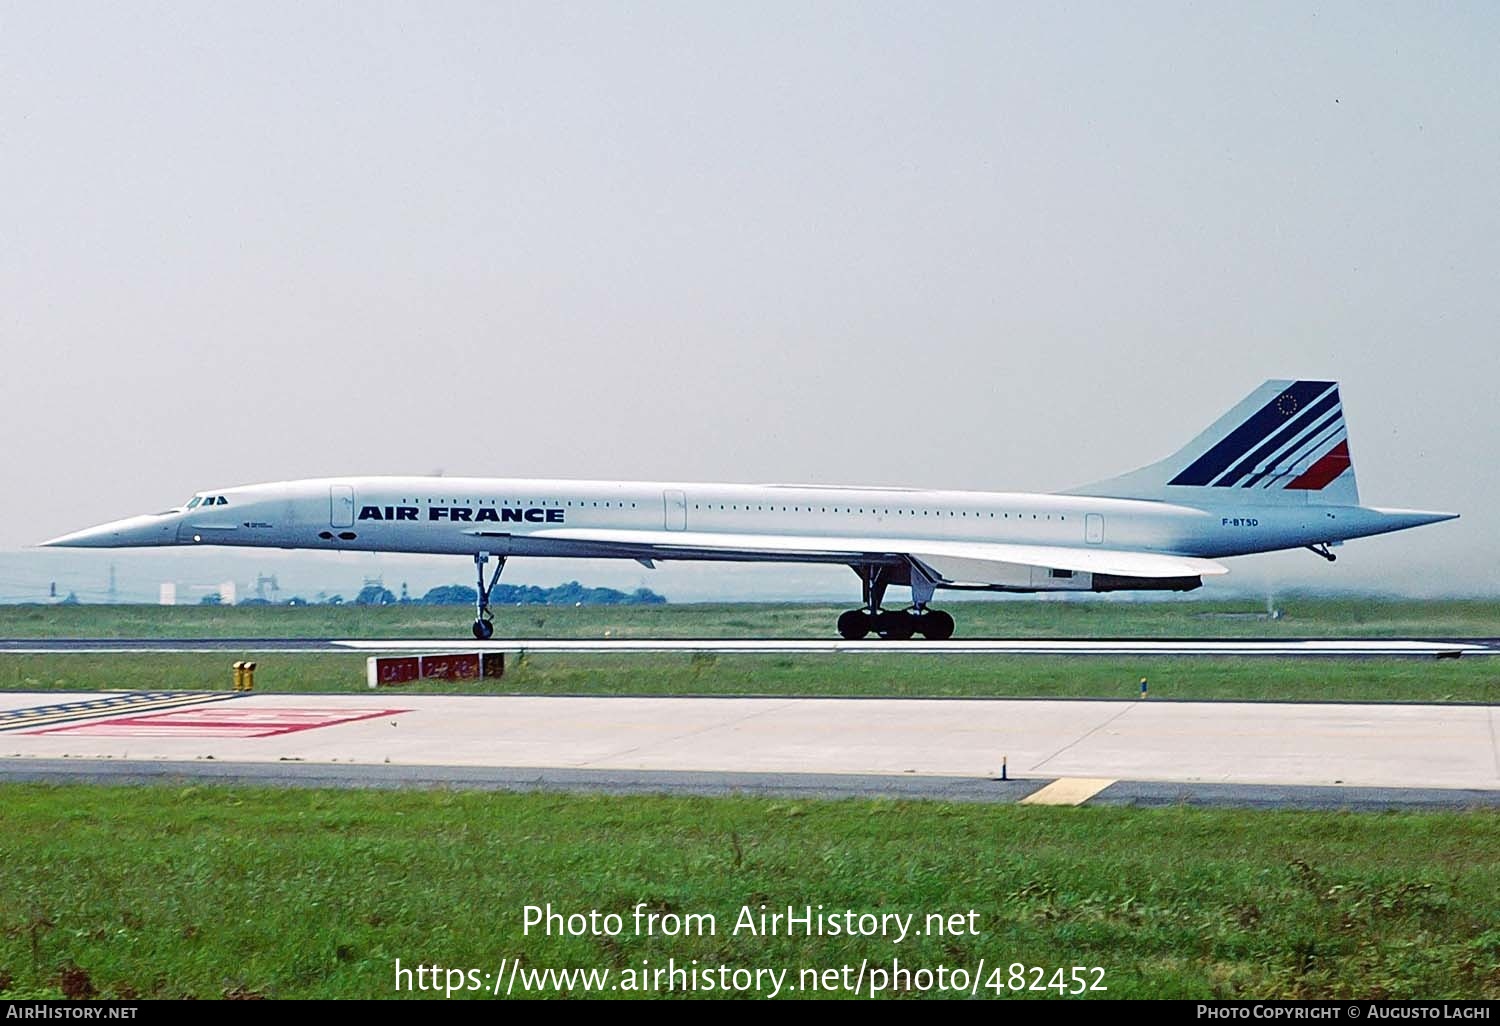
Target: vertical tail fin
1285, 442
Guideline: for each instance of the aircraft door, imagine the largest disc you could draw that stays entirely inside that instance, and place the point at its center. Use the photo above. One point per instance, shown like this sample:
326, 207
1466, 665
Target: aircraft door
1093, 529
340, 506
674, 505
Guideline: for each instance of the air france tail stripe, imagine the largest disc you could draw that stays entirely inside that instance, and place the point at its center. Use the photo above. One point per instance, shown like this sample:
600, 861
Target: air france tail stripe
1323, 472
1294, 468
1298, 427
1297, 461
1268, 419
1284, 459
1310, 455
1267, 460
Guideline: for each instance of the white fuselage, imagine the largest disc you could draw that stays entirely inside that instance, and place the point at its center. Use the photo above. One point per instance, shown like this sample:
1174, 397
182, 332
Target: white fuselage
504, 516
923, 540
1273, 473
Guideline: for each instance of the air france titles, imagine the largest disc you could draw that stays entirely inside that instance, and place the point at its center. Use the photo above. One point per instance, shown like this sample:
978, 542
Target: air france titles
468, 514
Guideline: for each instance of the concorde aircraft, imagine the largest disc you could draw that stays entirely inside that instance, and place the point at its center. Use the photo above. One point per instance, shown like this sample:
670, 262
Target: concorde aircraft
1273, 473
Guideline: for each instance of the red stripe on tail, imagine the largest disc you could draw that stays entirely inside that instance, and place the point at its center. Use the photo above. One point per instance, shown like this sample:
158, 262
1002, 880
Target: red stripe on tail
1323, 472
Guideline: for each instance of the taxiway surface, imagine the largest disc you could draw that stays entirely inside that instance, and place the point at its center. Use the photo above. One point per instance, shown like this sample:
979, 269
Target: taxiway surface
1095, 744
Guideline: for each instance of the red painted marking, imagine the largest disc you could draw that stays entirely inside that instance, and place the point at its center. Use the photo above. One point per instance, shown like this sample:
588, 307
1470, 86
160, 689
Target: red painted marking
399, 669
260, 722
451, 667
391, 670
1321, 473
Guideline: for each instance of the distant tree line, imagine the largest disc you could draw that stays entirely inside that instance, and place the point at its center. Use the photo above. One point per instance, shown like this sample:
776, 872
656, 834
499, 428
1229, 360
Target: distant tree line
570, 594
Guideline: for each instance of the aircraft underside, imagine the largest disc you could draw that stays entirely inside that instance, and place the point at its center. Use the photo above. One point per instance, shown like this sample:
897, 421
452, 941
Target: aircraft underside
877, 573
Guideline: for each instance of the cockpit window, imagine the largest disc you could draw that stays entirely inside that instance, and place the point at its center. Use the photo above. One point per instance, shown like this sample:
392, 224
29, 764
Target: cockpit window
206, 500
193, 503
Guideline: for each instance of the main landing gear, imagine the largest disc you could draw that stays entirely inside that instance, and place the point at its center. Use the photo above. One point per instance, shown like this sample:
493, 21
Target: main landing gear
484, 623
895, 625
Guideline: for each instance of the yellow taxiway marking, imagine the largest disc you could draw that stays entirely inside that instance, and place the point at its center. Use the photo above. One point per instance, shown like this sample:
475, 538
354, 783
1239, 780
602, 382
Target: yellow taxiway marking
1067, 791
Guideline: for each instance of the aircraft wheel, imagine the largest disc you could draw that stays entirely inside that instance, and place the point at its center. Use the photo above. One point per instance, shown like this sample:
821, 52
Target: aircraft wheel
854, 624
483, 629
936, 625
895, 626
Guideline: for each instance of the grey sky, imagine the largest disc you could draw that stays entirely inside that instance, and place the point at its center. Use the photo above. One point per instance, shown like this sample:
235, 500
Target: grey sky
1011, 246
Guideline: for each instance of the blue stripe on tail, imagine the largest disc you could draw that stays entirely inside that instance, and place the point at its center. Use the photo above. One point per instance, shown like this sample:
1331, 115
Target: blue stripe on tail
1302, 428
1267, 421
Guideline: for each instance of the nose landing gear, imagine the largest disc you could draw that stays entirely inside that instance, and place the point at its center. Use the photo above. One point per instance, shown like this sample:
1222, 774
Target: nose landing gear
484, 622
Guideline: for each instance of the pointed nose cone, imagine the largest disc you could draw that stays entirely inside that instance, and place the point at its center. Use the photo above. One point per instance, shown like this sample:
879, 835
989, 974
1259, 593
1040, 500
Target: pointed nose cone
1401, 519
133, 532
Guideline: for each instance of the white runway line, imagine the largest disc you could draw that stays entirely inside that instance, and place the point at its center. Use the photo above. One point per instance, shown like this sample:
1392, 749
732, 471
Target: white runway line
1346, 647
1374, 646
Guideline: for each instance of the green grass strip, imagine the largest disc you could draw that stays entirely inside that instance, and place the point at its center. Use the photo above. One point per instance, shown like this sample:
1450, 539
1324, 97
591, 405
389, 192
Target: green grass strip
214, 891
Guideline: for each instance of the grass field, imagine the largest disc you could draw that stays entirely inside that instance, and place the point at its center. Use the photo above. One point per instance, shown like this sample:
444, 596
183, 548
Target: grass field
207, 892
1369, 680
1469, 680
1178, 618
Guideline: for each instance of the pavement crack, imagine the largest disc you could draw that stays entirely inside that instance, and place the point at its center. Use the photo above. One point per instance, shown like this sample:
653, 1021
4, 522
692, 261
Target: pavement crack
1084, 737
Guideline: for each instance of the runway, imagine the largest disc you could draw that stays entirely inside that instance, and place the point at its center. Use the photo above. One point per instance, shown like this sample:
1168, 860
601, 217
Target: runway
723, 785
1290, 648
1056, 752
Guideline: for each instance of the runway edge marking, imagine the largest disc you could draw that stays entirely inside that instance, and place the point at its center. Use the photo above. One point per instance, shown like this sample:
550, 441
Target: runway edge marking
113, 705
